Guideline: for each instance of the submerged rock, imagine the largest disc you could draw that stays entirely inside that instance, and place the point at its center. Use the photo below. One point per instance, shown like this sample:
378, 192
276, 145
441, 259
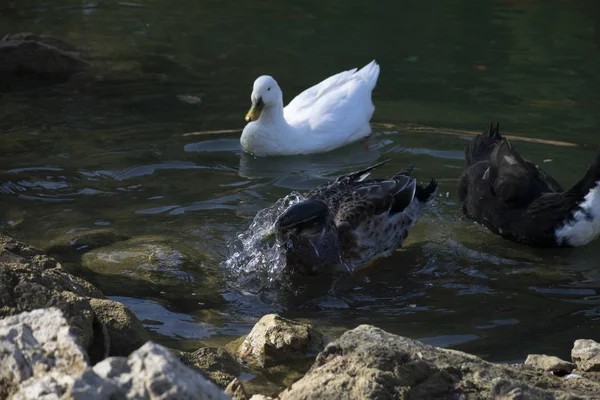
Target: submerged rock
146, 258
214, 363
586, 354
38, 350
368, 362
550, 363
25, 55
275, 340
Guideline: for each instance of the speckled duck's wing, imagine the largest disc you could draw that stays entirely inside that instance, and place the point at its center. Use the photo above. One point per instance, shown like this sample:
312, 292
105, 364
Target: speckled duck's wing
332, 193
375, 198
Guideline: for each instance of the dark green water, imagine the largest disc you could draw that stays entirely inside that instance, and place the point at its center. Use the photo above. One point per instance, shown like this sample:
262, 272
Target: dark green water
107, 152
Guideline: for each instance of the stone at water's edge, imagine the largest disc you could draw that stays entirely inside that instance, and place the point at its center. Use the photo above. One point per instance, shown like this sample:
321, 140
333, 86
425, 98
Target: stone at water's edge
40, 358
550, 363
586, 354
214, 363
275, 340
369, 363
125, 331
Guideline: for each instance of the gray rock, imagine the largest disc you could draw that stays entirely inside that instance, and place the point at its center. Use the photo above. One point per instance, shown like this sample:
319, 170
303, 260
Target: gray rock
39, 354
550, 363
369, 363
125, 331
586, 354
275, 340
150, 372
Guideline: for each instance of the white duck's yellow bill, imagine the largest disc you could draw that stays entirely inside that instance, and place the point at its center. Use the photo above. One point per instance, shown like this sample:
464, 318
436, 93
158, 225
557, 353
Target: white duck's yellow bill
255, 110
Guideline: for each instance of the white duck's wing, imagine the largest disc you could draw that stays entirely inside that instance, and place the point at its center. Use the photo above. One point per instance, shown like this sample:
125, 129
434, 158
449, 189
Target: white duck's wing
318, 103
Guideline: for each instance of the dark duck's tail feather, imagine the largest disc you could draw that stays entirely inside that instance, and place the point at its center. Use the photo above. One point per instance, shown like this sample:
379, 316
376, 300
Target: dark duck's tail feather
482, 145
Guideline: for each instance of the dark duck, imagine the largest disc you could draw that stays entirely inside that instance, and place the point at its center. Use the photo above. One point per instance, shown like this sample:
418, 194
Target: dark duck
519, 201
351, 220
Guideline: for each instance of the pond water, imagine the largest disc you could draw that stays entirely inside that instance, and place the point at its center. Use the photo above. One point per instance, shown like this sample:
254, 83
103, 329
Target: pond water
141, 154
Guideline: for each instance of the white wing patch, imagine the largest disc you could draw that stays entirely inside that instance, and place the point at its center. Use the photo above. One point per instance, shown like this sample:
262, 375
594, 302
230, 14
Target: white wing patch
585, 224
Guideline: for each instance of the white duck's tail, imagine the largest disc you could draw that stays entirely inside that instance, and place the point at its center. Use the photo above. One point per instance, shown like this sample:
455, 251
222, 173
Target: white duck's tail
370, 73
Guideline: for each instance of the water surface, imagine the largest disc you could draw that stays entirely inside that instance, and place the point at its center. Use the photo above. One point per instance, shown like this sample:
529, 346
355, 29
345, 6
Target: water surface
129, 150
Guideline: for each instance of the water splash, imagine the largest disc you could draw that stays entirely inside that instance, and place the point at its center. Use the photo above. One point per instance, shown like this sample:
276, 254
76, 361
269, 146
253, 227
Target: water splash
256, 259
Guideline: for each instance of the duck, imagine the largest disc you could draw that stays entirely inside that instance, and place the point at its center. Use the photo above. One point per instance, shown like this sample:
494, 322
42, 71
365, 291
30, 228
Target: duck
351, 221
329, 115
519, 201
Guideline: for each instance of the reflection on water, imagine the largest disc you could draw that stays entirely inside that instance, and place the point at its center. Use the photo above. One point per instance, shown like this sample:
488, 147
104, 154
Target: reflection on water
106, 164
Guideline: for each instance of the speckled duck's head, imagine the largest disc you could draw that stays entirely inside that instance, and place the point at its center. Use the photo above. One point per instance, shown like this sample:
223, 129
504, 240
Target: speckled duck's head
310, 235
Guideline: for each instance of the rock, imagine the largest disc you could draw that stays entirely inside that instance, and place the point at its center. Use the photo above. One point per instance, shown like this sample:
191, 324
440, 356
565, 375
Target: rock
40, 357
260, 397
586, 354
73, 245
43, 56
125, 331
214, 363
275, 340
510, 390
144, 258
236, 390
30, 280
368, 362
550, 363
150, 372
38, 352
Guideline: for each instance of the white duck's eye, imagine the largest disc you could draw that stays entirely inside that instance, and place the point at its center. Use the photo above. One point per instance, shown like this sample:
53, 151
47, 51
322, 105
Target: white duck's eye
268, 89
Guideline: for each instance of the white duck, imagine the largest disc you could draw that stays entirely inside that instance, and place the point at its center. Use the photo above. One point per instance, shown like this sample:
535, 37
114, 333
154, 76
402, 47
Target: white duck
329, 115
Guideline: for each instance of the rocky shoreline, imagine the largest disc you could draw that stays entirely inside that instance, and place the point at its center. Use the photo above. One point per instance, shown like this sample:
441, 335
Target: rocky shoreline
60, 338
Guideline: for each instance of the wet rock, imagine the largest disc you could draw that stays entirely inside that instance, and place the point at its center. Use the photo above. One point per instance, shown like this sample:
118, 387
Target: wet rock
586, 354
214, 363
236, 390
550, 363
275, 340
368, 362
150, 372
38, 352
40, 55
125, 331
